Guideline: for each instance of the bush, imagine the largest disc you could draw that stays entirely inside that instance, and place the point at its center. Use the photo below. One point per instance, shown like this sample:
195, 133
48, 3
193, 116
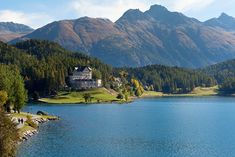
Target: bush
120, 96
42, 113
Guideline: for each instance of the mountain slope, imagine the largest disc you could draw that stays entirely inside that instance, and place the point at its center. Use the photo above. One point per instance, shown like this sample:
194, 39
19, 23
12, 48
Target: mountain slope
10, 31
224, 21
156, 36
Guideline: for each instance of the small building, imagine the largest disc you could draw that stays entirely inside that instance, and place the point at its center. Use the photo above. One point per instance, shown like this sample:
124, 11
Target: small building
82, 78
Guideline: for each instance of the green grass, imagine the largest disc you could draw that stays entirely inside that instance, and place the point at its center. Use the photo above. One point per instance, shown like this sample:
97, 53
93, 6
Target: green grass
98, 95
24, 115
199, 91
151, 94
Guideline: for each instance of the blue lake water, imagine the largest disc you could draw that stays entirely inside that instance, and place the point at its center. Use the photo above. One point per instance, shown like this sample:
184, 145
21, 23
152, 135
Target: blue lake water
163, 127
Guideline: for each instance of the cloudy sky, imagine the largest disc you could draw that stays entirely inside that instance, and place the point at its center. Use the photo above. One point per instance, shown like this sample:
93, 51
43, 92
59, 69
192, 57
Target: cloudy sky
37, 13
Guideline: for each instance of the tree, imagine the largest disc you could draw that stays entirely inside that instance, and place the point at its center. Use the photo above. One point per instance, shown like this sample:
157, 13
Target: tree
120, 96
20, 94
8, 137
3, 98
87, 97
126, 97
36, 96
12, 83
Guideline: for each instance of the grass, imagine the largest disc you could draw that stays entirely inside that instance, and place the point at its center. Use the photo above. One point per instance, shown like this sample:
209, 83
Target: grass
103, 95
98, 95
25, 115
198, 91
151, 94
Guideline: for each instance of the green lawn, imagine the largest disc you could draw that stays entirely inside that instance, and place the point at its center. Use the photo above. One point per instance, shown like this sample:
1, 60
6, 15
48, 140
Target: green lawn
98, 95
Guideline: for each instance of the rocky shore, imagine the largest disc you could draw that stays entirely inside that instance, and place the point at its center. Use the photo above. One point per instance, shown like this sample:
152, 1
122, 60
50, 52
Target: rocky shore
37, 120
28, 123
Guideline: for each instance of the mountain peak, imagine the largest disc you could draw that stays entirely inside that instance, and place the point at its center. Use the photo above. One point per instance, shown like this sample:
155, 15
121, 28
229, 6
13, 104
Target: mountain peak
157, 7
15, 27
132, 15
225, 16
223, 21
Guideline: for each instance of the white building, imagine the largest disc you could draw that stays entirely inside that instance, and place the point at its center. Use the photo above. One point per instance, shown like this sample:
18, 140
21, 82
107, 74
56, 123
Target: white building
82, 79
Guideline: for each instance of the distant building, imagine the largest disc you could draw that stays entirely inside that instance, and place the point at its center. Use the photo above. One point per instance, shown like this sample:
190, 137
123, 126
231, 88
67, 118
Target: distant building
82, 79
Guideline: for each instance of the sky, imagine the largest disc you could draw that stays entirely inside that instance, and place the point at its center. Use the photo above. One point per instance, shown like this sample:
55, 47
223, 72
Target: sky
37, 13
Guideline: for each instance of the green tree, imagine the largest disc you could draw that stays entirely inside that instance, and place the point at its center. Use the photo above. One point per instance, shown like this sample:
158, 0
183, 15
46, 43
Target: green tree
87, 97
120, 96
12, 83
8, 137
3, 98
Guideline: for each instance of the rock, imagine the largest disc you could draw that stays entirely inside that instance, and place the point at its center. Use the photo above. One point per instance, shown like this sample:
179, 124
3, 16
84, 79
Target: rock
42, 113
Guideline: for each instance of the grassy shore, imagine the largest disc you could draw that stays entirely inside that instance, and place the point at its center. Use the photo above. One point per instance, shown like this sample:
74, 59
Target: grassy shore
198, 91
100, 95
26, 126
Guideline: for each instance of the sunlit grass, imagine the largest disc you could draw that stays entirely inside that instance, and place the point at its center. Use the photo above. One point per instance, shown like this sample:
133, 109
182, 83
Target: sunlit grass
98, 95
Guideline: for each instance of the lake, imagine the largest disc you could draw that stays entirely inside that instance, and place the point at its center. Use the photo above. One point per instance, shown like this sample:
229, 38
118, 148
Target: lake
162, 127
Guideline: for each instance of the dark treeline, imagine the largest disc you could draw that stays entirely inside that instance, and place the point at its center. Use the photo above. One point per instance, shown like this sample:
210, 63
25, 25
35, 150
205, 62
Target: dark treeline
46, 66
169, 79
224, 73
228, 86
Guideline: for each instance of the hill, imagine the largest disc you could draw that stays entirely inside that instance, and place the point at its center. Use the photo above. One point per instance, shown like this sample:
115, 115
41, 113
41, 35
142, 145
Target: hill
10, 31
45, 66
221, 71
156, 36
169, 79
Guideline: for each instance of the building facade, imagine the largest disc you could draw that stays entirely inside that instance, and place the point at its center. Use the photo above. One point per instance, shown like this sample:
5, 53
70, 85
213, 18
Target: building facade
82, 79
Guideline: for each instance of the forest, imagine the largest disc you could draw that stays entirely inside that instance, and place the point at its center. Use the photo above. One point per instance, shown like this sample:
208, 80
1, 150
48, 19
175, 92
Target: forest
45, 67
224, 73
169, 79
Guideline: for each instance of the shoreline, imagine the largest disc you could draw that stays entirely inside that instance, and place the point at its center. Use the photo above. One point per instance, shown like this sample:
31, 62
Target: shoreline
132, 99
30, 123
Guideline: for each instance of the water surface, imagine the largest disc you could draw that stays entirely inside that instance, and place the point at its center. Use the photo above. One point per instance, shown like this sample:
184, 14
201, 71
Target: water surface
162, 127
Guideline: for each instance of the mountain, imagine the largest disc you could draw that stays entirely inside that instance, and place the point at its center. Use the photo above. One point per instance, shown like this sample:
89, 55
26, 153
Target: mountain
156, 36
224, 21
10, 31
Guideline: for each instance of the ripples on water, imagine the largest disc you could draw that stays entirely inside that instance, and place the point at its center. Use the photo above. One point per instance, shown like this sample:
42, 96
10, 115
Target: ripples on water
164, 127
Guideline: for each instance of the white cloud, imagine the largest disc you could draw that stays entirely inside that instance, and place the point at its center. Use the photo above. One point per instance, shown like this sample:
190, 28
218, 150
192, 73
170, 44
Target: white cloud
112, 10
34, 20
183, 5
